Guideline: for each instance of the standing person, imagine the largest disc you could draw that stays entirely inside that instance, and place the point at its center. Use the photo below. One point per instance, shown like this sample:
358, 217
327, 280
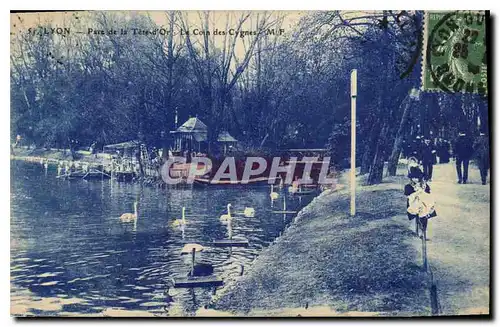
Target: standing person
415, 148
428, 157
72, 148
93, 149
18, 141
404, 149
444, 151
463, 152
482, 156
439, 142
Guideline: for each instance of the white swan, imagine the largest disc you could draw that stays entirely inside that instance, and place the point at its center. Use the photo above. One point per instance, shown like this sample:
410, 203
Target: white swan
249, 212
281, 185
274, 195
294, 188
128, 217
227, 216
182, 221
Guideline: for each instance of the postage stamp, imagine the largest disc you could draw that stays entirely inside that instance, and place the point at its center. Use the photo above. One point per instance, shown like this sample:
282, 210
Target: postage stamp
248, 164
455, 57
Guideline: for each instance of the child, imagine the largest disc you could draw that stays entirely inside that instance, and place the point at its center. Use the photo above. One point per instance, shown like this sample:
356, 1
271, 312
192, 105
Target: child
419, 203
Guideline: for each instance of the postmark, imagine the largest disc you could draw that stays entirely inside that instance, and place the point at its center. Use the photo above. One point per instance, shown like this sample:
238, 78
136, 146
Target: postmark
455, 54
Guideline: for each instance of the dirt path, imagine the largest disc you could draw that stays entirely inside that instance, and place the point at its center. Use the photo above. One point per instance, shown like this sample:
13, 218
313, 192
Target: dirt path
459, 249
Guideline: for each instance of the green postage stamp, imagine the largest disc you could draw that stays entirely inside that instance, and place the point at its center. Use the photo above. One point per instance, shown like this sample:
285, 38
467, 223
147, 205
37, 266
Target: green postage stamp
455, 57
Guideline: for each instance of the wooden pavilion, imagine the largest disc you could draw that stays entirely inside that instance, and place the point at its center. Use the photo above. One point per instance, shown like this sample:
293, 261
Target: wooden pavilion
190, 136
226, 141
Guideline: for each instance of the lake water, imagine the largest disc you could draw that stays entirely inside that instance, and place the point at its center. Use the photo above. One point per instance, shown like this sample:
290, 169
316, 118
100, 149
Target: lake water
68, 243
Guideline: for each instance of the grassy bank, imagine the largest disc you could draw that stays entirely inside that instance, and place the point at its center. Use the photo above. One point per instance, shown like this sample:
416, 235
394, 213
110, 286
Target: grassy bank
335, 264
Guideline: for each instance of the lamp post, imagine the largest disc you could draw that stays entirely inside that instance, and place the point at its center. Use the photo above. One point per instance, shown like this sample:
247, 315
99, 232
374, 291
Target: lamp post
354, 93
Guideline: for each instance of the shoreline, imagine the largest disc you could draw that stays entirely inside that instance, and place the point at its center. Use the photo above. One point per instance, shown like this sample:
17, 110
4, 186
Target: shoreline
55, 155
271, 288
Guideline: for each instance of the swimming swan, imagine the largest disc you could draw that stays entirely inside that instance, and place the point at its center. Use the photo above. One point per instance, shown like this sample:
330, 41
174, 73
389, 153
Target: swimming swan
127, 217
182, 221
227, 216
274, 195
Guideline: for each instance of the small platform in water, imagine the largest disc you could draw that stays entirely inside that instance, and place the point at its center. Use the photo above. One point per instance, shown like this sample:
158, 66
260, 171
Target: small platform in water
236, 242
80, 174
202, 281
299, 193
124, 176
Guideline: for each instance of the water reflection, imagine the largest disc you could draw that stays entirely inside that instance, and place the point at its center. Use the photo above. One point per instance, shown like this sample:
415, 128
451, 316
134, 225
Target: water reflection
68, 243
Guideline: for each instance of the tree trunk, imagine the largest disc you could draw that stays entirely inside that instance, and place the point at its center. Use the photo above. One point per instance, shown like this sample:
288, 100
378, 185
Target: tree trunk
377, 168
396, 149
368, 152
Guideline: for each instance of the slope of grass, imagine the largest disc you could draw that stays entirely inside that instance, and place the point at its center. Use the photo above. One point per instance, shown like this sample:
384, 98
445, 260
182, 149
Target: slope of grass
366, 263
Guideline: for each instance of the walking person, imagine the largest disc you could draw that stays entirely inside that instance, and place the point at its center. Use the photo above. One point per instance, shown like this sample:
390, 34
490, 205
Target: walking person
428, 157
482, 156
419, 203
463, 152
444, 151
414, 147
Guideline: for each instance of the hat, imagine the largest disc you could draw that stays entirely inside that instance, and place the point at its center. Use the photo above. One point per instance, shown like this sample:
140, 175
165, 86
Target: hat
415, 172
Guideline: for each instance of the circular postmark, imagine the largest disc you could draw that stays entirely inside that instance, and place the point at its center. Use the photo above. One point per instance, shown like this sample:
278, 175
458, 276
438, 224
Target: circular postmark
456, 52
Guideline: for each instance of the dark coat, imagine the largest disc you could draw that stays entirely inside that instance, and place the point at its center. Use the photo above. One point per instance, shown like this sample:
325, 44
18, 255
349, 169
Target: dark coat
427, 153
444, 151
463, 148
482, 152
414, 149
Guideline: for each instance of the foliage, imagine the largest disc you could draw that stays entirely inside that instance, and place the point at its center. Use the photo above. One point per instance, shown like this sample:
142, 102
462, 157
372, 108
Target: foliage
268, 91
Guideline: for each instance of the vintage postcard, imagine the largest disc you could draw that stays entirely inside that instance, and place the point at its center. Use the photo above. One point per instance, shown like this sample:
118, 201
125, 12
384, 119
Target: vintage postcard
250, 164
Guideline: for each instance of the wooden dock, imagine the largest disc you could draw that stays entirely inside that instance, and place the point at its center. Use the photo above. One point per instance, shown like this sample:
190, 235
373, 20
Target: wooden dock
124, 176
202, 281
234, 242
300, 193
80, 174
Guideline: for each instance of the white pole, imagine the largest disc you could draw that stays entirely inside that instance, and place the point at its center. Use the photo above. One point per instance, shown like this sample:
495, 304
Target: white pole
354, 92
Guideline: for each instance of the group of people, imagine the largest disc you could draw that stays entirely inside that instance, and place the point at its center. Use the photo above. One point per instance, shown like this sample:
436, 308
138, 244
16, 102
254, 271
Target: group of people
464, 149
420, 204
427, 153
